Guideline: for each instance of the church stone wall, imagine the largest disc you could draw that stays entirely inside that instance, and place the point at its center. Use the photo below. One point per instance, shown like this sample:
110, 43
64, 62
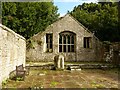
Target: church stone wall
12, 51
67, 23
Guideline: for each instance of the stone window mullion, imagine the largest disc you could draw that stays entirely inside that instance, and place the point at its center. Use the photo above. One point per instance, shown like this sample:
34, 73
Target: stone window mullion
74, 44
87, 42
66, 43
49, 41
70, 43
62, 43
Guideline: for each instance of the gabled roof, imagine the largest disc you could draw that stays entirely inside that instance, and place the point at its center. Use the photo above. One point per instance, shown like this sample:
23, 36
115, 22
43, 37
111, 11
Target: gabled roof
86, 29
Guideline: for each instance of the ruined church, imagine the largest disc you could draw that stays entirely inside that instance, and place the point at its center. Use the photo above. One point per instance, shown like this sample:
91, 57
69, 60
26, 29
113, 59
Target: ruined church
68, 37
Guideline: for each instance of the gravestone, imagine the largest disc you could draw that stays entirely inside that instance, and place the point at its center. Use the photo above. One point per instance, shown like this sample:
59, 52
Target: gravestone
56, 61
59, 61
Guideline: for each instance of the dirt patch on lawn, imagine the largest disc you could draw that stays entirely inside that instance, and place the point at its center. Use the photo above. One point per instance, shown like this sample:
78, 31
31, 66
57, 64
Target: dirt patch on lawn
88, 78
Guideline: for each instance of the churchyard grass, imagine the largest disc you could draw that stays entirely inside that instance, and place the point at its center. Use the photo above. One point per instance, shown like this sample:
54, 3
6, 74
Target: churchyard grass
86, 78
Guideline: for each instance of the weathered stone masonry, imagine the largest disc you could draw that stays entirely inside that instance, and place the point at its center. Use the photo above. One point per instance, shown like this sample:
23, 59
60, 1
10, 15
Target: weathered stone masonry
65, 26
12, 51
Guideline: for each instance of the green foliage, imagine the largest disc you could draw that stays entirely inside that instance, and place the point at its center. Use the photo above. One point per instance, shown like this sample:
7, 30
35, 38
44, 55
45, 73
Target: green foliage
28, 18
53, 83
97, 85
31, 44
4, 82
101, 18
19, 79
39, 42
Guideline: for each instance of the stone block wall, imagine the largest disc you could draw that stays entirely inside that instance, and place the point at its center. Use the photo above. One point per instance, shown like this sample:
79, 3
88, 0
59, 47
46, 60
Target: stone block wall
69, 24
12, 51
112, 53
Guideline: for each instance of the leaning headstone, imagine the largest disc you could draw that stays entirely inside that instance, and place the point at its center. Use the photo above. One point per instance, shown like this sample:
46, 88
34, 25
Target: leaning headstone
56, 61
59, 61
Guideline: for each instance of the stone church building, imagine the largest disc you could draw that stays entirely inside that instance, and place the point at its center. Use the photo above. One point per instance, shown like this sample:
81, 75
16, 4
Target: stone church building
67, 37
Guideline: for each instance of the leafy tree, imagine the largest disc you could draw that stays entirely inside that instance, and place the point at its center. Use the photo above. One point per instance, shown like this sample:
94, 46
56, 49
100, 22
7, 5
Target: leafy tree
28, 18
100, 18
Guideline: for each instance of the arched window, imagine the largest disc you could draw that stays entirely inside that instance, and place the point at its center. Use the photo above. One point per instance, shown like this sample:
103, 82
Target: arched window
67, 41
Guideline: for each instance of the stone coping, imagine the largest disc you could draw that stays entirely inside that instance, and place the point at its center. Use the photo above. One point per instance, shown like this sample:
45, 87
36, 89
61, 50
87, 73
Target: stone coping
11, 31
39, 63
50, 65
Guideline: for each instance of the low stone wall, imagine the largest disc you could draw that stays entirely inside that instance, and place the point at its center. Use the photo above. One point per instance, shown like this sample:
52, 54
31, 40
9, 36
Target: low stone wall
103, 66
112, 53
12, 51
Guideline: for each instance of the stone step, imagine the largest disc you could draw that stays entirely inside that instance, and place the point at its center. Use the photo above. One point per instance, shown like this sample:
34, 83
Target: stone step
89, 66
77, 69
74, 67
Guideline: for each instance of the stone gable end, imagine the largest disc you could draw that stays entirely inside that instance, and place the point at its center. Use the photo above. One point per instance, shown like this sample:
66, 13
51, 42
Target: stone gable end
84, 47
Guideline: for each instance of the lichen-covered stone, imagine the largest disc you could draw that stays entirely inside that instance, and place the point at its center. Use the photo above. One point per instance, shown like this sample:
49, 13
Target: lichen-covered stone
66, 23
12, 51
59, 61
